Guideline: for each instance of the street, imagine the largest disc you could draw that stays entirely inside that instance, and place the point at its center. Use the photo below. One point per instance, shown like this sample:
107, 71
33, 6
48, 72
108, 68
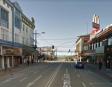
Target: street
54, 75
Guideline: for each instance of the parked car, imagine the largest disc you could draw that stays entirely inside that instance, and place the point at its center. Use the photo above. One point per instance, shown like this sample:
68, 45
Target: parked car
79, 65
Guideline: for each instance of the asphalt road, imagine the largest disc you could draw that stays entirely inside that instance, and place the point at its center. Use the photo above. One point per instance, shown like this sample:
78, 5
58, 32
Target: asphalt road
54, 75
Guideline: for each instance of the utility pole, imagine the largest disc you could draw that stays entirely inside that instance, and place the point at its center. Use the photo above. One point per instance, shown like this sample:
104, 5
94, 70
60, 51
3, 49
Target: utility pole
56, 53
35, 37
53, 51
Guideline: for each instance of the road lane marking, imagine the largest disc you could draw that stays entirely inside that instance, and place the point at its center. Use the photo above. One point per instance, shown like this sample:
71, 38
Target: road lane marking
7, 80
34, 81
52, 77
83, 84
66, 82
100, 83
23, 79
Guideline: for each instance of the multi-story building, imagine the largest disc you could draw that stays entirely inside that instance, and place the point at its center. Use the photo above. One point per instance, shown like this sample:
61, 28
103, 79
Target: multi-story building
99, 44
82, 46
49, 52
103, 46
16, 35
92, 45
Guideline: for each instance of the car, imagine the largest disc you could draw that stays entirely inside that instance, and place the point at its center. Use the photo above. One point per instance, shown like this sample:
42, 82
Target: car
79, 65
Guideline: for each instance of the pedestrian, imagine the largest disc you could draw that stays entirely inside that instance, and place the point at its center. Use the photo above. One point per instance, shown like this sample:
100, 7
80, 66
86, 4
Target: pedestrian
28, 62
108, 64
32, 61
100, 65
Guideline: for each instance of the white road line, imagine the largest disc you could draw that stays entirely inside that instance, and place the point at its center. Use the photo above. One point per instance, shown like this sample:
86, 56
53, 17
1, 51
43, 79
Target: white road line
66, 82
83, 84
23, 79
52, 77
34, 81
7, 80
100, 83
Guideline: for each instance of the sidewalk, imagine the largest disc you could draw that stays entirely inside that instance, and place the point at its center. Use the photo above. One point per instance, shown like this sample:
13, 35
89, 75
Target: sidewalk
105, 72
12, 70
16, 69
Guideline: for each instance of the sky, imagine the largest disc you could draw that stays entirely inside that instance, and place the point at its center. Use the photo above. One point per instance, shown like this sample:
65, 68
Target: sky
64, 20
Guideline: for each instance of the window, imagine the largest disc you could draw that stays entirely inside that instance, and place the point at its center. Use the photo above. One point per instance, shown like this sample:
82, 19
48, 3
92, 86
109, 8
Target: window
96, 44
93, 46
99, 44
110, 41
4, 34
105, 42
23, 40
23, 27
4, 2
8, 5
26, 29
16, 38
17, 19
4, 18
17, 22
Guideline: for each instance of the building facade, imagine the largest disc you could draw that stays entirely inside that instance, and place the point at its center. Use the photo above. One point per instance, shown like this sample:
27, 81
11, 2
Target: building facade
82, 46
99, 45
91, 44
16, 34
103, 46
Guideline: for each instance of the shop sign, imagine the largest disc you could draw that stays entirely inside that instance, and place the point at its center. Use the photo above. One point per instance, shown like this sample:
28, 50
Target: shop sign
8, 51
13, 51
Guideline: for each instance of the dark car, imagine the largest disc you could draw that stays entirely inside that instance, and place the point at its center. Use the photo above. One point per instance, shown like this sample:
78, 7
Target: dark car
79, 65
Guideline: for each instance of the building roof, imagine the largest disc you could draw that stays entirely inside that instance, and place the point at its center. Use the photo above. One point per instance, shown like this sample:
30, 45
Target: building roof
103, 34
82, 36
17, 6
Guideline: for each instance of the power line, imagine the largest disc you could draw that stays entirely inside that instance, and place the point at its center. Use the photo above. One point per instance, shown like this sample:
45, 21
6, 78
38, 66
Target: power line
62, 44
59, 39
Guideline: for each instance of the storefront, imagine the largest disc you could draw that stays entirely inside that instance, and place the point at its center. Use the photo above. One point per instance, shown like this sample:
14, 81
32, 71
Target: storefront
29, 53
100, 55
108, 56
10, 57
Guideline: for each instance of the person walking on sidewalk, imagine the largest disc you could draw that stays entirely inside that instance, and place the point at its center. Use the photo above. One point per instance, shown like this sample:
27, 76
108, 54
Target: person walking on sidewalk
32, 61
28, 62
100, 65
108, 64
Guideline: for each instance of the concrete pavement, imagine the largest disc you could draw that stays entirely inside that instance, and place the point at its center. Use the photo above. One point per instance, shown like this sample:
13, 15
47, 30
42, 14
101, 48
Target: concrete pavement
54, 75
105, 72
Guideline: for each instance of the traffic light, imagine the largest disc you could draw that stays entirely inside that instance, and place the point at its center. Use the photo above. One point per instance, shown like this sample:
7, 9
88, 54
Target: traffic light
52, 46
69, 50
